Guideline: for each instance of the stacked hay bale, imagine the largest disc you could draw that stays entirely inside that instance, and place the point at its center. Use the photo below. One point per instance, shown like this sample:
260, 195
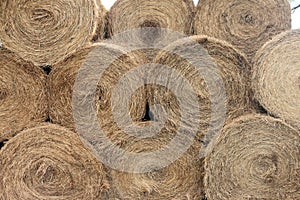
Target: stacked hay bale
192, 144
64, 75
245, 24
180, 180
255, 157
131, 14
50, 162
147, 18
23, 95
276, 77
45, 32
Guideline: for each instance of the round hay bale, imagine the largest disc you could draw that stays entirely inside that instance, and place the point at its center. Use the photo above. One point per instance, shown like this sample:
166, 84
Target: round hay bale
231, 66
255, 157
50, 162
23, 95
46, 31
183, 179
63, 76
245, 24
176, 15
276, 77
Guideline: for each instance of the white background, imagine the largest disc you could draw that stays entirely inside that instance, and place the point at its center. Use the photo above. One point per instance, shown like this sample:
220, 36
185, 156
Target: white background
295, 15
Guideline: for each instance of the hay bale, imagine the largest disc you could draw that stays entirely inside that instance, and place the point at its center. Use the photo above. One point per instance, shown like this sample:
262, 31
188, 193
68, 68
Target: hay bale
150, 22
23, 95
49, 162
183, 179
255, 157
45, 32
170, 14
63, 76
245, 24
276, 77
222, 60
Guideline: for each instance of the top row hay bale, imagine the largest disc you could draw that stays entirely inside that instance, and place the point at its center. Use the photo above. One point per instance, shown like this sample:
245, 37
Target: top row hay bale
245, 24
46, 31
169, 14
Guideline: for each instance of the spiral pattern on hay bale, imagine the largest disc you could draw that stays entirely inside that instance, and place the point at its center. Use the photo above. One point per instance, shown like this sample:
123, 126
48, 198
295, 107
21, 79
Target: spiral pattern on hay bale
169, 14
23, 95
245, 24
49, 162
276, 77
46, 31
183, 179
231, 66
63, 76
255, 157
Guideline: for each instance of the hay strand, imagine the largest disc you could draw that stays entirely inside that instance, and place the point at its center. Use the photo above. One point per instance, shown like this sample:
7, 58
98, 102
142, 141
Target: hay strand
276, 77
49, 162
255, 157
45, 32
245, 24
23, 95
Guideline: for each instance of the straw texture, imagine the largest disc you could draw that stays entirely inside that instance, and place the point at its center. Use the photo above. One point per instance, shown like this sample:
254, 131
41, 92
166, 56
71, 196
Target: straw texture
276, 77
245, 24
49, 162
46, 31
133, 14
63, 76
23, 95
230, 65
183, 179
255, 157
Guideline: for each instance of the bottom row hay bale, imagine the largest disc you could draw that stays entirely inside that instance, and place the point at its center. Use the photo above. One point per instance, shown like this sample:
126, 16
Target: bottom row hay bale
49, 162
255, 157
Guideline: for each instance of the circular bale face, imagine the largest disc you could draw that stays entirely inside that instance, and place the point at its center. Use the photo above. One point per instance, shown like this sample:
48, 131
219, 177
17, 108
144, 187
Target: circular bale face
171, 14
50, 162
23, 95
218, 59
183, 179
245, 24
276, 77
64, 75
45, 32
151, 20
255, 157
